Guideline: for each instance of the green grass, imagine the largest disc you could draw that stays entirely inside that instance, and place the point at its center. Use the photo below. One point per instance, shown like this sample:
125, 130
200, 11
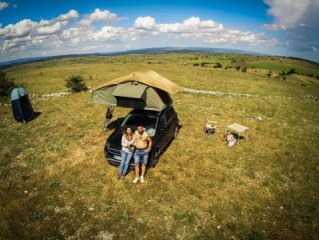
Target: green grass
55, 182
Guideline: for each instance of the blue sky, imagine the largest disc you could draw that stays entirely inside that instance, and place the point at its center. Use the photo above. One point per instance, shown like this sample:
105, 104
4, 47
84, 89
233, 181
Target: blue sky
53, 27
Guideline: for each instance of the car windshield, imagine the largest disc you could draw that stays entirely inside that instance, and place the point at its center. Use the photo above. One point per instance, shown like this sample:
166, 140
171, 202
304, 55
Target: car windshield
147, 120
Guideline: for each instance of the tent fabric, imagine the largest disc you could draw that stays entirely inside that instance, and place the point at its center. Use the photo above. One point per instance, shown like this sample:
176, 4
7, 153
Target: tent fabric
21, 106
146, 77
140, 90
17, 93
130, 90
132, 95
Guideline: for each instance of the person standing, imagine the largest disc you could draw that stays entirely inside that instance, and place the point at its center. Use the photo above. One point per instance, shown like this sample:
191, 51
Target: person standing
143, 144
126, 151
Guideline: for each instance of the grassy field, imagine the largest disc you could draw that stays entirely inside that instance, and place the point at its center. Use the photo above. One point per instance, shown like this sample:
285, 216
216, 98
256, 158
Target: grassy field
56, 184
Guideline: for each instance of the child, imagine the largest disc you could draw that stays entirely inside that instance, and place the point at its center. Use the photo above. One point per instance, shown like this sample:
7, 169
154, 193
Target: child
231, 141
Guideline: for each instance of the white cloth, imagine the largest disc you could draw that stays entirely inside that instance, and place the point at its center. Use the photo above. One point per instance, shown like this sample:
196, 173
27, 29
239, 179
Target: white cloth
126, 143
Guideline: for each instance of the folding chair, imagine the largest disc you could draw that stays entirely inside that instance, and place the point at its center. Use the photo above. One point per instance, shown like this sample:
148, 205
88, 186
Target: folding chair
210, 127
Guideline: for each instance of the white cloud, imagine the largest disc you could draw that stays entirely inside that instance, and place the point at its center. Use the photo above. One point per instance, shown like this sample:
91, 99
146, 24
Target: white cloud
51, 28
299, 19
105, 16
109, 33
75, 41
69, 33
194, 28
275, 27
145, 23
3, 5
27, 26
99, 16
290, 13
72, 14
20, 29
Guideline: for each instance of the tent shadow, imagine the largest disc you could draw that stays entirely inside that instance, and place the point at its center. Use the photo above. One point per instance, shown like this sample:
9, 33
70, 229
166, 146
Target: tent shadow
35, 115
115, 124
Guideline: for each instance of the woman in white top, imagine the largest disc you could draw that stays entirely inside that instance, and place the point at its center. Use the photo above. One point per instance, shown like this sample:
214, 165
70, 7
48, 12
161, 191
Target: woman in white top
126, 152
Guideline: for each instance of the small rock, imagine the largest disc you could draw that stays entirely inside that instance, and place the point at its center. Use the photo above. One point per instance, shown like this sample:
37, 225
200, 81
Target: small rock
91, 209
218, 227
26, 192
259, 118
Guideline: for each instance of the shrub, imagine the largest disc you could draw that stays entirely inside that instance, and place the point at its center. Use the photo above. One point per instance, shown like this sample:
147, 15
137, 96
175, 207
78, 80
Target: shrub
218, 65
6, 85
76, 83
244, 69
291, 71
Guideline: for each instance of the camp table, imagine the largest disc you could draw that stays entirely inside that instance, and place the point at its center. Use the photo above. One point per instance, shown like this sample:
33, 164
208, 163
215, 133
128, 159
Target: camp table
239, 129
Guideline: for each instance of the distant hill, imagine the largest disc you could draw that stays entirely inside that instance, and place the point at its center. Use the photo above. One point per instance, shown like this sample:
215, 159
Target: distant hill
134, 51
158, 50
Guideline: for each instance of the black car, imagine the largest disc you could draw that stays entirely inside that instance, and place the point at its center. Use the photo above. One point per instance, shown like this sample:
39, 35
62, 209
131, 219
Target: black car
162, 127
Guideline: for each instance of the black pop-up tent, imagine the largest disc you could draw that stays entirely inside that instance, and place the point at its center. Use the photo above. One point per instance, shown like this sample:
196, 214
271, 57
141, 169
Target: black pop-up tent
139, 90
21, 106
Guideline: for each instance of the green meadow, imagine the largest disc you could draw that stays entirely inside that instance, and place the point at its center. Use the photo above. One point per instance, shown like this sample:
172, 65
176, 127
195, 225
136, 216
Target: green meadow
55, 182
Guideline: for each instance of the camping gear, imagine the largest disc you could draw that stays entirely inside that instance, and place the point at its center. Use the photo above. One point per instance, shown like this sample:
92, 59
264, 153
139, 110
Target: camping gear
21, 106
139, 90
108, 117
238, 129
210, 127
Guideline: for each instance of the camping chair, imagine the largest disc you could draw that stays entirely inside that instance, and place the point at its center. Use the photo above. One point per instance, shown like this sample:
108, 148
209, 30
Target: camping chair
210, 127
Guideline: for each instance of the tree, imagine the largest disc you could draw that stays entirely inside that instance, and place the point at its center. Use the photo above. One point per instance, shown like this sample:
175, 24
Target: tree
76, 83
6, 85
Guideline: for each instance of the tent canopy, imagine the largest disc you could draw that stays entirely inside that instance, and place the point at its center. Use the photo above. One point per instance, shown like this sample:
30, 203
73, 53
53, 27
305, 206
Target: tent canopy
140, 90
147, 77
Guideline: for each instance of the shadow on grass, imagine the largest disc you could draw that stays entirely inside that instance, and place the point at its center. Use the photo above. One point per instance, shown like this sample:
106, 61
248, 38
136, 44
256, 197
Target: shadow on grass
115, 124
35, 115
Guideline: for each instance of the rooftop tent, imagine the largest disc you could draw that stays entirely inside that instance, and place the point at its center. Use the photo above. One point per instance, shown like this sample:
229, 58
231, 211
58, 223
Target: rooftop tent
140, 90
21, 106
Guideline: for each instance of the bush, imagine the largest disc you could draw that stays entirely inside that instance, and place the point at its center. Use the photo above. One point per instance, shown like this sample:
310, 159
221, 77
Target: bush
291, 71
218, 65
6, 85
76, 83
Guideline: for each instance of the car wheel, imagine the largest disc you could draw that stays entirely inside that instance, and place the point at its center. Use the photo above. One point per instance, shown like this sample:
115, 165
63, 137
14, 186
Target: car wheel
155, 157
176, 131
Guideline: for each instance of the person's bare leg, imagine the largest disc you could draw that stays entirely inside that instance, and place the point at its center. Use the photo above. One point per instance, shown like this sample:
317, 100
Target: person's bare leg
143, 170
137, 170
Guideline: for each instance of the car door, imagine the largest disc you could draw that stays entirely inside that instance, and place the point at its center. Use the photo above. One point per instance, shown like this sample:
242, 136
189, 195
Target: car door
161, 131
170, 123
